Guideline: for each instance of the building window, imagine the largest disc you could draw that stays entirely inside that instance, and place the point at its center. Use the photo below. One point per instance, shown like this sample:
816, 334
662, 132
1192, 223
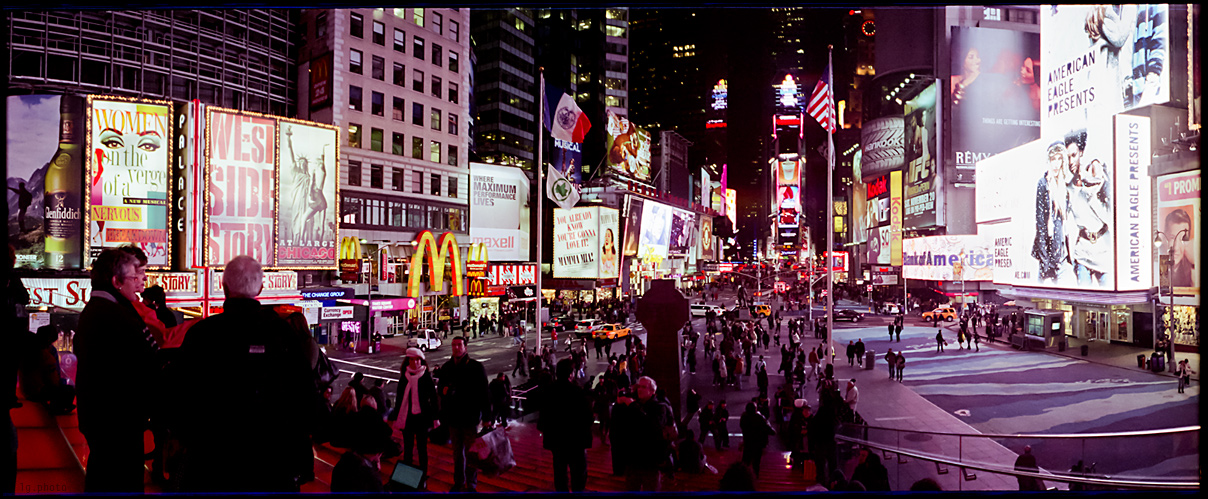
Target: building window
398, 109
417, 149
354, 97
396, 179
417, 80
452, 155
435, 121
417, 185
436, 218
358, 25
379, 33
436, 23
437, 55
378, 104
354, 136
615, 31
418, 17
396, 213
400, 75
453, 93
400, 40
376, 136
375, 176
434, 185
436, 90
354, 61
354, 172
417, 48
454, 31
456, 220
434, 152
396, 143
415, 213
453, 62
379, 68
417, 114
321, 25
453, 123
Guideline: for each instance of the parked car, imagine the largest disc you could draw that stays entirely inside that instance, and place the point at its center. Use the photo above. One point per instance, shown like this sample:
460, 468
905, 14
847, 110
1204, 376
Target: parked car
586, 326
425, 340
945, 313
610, 331
701, 309
558, 324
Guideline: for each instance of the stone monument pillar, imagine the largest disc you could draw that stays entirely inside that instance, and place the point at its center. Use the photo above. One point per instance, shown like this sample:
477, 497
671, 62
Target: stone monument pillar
663, 311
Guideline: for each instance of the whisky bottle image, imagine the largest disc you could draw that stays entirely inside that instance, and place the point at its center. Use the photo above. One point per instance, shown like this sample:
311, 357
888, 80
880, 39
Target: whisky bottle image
62, 196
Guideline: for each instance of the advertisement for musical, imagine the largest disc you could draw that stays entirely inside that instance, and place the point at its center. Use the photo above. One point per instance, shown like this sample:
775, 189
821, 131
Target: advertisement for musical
628, 148
306, 196
500, 210
130, 152
585, 244
240, 173
44, 153
1100, 60
995, 89
948, 258
924, 179
1179, 220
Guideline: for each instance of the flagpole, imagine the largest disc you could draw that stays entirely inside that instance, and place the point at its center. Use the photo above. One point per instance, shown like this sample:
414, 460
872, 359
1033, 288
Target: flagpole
830, 215
540, 204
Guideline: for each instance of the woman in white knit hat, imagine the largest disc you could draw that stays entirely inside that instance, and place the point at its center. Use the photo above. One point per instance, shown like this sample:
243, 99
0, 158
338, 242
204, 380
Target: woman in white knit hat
415, 407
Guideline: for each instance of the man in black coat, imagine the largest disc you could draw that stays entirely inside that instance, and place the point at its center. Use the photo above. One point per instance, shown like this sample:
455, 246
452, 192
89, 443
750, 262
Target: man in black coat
116, 373
245, 393
565, 424
642, 423
464, 405
860, 352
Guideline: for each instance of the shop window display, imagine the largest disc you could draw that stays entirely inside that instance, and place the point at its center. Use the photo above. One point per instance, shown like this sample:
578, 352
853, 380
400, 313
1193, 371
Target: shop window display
1186, 327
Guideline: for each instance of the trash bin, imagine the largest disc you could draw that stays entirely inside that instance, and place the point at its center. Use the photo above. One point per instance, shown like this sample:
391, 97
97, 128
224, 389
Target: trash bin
869, 357
1155, 362
1141, 361
1085, 350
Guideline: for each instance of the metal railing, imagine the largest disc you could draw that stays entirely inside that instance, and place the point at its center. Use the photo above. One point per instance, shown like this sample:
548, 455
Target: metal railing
1166, 449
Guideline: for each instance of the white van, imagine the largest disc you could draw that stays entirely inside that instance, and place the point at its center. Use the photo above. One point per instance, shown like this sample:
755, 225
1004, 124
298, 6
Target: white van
425, 340
701, 309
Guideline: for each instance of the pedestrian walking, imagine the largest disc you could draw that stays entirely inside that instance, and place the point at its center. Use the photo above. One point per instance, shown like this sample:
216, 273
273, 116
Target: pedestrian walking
521, 363
901, 362
891, 327
1184, 373
644, 424
755, 433
706, 420
721, 423
898, 331
463, 407
851, 353
860, 352
976, 341
1027, 462
939, 341
565, 423
891, 363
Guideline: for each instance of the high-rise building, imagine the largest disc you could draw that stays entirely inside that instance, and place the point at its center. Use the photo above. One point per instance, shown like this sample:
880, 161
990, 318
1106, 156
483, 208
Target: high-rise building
235, 58
505, 91
397, 83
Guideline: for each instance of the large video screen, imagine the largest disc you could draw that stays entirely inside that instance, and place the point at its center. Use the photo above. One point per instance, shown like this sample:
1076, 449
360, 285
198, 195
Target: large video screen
655, 237
500, 211
633, 225
683, 223
628, 148
924, 184
995, 89
306, 200
129, 172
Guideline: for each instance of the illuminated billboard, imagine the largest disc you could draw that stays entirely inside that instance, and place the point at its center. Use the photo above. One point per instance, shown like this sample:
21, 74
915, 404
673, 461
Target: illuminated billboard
948, 258
1100, 60
788, 172
240, 170
585, 243
883, 143
306, 196
995, 88
655, 237
500, 210
633, 225
706, 238
732, 207
1178, 210
44, 157
683, 223
628, 148
129, 170
924, 188
1133, 192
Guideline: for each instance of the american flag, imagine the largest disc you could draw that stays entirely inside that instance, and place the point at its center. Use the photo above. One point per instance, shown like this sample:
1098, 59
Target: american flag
822, 102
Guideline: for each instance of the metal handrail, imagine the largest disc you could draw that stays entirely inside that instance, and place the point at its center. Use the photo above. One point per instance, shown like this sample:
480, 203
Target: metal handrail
1131, 484
1143, 433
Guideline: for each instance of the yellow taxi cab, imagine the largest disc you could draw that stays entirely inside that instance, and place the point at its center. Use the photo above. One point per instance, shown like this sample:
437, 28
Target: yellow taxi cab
609, 331
945, 313
761, 309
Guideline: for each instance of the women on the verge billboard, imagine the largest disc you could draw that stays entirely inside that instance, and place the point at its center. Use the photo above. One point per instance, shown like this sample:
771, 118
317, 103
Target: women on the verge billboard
129, 170
586, 245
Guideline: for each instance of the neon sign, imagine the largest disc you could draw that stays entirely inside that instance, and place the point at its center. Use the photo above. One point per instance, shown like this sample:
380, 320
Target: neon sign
437, 252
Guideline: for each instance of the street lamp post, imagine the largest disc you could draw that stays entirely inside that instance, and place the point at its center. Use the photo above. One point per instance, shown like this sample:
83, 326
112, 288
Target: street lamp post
1157, 242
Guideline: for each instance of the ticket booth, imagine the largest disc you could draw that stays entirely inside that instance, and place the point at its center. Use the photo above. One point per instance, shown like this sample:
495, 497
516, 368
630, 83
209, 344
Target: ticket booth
1045, 329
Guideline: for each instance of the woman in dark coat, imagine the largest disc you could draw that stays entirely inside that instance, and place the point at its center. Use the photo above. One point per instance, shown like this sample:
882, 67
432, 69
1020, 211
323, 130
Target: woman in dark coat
416, 407
755, 433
